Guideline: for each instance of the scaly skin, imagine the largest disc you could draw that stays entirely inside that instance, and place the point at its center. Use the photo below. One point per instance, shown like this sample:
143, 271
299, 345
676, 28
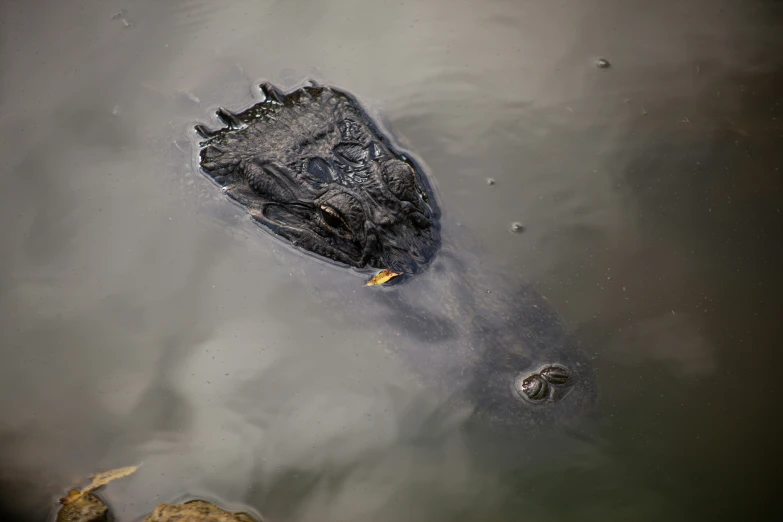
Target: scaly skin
312, 168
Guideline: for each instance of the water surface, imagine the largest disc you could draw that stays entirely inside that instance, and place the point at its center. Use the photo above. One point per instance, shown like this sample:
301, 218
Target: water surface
144, 319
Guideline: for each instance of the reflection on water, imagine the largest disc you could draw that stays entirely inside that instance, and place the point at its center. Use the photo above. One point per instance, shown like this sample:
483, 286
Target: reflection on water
144, 320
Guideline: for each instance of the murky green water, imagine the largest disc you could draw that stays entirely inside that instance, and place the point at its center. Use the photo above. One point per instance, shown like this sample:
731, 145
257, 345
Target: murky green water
144, 320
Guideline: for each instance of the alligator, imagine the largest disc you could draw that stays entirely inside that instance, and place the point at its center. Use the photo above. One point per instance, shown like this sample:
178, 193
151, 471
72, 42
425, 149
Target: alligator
315, 171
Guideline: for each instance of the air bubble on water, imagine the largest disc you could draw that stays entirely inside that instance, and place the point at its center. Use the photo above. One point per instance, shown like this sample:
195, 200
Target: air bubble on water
517, 227
490, 181
602, 63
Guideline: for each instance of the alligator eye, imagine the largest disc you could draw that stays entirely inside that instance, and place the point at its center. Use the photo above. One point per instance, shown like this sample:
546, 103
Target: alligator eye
332, 218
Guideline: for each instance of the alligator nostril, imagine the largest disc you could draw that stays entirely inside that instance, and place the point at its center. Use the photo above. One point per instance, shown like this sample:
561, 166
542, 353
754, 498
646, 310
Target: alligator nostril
545, 385
556, 375
534, 388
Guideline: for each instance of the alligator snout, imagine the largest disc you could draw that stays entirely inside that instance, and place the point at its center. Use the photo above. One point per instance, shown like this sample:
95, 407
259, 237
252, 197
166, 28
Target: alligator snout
551, 383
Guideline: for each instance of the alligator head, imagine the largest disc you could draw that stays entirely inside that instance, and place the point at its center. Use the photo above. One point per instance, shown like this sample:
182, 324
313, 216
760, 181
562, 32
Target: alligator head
311, 167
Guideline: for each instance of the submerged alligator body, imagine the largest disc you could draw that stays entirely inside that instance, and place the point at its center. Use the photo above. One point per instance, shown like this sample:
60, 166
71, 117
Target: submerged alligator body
313, 169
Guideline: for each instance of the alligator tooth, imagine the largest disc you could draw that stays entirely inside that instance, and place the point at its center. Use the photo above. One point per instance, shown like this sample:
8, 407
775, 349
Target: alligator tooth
229, 118
204, 132
271, 93
212, 151
305, 94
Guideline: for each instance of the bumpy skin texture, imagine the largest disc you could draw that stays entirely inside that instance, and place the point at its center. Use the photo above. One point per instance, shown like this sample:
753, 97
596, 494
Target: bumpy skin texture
195, 511
313, 168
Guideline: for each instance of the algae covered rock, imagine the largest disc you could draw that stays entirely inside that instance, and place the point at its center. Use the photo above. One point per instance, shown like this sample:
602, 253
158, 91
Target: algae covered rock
195, 511
83, 508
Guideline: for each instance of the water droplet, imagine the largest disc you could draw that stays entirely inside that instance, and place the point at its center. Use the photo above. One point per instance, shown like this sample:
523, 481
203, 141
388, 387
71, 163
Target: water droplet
517, 227
490, 181
602, 63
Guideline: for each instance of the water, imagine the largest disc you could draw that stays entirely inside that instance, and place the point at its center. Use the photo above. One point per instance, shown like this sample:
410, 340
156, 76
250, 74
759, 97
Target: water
144, 321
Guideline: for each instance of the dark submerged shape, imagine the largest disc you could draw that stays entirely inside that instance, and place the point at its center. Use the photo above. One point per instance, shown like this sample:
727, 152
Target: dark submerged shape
312, 168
